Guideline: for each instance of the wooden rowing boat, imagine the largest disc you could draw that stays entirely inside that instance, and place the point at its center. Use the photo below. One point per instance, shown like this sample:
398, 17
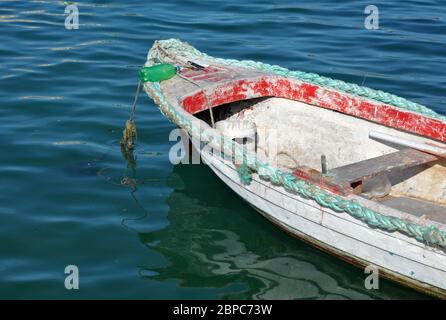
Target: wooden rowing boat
360, 175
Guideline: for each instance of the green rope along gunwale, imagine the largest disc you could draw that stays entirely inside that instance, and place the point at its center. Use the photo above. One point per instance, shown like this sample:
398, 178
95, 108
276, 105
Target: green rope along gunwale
430, 235
183, 49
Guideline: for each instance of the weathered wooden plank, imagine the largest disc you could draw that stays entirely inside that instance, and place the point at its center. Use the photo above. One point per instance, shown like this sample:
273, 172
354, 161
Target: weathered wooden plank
348, 179
369, 168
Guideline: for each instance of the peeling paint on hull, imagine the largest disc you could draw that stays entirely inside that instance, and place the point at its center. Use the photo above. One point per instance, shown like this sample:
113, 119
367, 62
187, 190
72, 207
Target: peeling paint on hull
217, 93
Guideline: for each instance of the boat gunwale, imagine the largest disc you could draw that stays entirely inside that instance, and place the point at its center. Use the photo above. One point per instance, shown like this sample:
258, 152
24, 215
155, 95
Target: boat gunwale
271, 85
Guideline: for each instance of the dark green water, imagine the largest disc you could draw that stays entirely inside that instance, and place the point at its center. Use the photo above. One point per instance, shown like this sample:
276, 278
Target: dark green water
181, 233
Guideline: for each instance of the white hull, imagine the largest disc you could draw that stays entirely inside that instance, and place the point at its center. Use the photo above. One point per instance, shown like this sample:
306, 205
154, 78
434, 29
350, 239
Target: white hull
396, 256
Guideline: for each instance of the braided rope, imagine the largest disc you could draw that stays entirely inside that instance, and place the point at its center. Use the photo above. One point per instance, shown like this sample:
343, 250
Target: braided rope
430, 235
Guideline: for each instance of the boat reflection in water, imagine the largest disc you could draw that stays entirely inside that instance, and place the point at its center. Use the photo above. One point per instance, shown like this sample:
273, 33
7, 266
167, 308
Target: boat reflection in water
215, 240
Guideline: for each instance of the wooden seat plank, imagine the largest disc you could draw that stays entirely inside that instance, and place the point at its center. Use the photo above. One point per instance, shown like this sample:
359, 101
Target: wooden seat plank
360, 171
349, 179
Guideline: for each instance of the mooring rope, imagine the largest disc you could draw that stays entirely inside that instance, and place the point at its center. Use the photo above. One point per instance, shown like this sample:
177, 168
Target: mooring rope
130, 135
138, 90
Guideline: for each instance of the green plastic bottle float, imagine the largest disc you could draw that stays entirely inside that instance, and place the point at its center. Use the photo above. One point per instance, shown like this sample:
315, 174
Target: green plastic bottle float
157, 73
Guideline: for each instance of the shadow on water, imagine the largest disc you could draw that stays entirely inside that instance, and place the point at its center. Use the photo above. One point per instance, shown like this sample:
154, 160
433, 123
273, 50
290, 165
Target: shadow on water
215, 240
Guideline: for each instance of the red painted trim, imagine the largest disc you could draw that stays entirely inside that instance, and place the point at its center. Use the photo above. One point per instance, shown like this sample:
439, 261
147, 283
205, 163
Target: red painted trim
273, 86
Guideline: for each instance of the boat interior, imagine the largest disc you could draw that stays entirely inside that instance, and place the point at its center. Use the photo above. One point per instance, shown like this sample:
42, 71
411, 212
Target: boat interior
335, 151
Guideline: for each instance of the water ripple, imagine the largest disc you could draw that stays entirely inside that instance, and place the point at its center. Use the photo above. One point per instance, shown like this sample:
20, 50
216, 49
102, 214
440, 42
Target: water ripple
136, 226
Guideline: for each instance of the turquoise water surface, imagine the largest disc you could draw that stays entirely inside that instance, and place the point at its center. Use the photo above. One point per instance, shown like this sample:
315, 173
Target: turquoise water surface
179, 233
